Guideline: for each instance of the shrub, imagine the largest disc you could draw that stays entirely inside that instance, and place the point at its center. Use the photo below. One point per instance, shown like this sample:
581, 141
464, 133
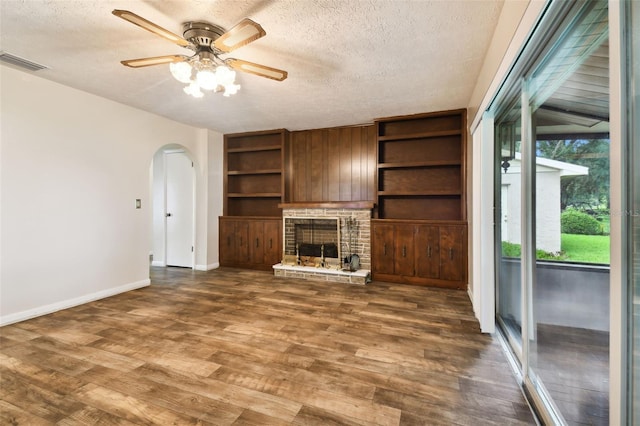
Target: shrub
575, 222
510, 249
514, 250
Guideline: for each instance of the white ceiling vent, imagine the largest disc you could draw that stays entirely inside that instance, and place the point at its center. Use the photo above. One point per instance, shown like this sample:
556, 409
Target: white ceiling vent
8, 58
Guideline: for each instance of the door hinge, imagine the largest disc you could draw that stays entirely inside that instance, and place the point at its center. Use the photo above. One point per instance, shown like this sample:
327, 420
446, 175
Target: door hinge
192, 164
191, 249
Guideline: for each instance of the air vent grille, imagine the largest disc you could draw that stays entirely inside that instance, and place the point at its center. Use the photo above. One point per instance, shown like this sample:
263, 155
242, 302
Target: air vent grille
8, 58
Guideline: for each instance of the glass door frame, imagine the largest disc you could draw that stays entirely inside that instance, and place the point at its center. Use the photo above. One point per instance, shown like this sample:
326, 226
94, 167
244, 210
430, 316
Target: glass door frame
551, 18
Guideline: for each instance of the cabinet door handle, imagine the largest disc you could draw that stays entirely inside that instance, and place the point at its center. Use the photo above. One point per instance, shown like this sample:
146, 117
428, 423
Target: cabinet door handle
429, 251
384, 249
451, 253
404, 251
270, 242
257, 242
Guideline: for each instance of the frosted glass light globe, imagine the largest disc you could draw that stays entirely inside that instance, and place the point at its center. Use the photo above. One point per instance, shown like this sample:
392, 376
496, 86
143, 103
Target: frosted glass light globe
181, 71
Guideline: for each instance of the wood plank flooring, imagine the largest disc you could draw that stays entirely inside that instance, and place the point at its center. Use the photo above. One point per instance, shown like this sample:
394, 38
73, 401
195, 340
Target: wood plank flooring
235, 347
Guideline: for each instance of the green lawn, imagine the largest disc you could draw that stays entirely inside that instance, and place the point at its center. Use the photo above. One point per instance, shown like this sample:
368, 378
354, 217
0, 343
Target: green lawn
586, 248
575, 248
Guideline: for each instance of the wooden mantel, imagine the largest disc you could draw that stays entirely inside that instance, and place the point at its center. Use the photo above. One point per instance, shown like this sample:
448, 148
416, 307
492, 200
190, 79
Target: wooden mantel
328, 205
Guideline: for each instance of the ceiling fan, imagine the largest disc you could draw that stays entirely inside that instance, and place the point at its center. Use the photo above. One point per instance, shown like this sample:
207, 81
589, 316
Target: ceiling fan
205, 69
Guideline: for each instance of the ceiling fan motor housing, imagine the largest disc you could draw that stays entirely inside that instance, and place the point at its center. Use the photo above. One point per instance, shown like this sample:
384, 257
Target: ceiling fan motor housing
202, 34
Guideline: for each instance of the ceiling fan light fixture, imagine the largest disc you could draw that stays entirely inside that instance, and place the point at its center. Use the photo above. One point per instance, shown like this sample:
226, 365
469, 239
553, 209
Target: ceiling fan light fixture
225, 75
231, 89
194, 90
206, 79
205, 70
181, 71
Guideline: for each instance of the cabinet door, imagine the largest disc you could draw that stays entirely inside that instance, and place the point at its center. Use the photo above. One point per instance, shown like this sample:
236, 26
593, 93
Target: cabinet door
382, 248
272, 238
404, 250
227, 242
242, 241
256, 241
427, 246
452, 253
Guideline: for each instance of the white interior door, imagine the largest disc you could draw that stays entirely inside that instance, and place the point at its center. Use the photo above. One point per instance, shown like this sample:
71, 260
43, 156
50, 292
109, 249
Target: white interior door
179, 209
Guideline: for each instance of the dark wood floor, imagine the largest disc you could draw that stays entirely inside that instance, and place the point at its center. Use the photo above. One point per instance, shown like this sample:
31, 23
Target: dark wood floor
241, 347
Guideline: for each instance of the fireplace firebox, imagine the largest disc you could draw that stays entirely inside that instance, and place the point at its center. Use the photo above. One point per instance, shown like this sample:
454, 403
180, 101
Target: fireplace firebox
310, 241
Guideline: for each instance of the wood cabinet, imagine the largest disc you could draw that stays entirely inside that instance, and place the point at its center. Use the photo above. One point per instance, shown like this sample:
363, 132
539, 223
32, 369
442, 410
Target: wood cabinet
427, 253
250, 242
253, 173
421, 166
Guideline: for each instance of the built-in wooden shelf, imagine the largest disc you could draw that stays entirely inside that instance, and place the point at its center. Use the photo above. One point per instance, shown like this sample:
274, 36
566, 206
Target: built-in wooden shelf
410, 164
255, 149
426, 193
421, 166
421, 135
254, 195
254, 172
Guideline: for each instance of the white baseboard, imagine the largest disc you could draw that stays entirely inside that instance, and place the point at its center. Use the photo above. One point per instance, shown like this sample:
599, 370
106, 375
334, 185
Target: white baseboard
65, 304
158, 263
207, 267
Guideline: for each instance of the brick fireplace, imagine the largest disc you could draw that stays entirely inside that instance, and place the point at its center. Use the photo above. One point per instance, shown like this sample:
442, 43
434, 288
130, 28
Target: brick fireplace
312, 235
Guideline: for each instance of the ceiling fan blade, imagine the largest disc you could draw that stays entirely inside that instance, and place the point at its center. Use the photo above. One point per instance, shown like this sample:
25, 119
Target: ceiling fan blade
150, 26
242, 34
257, 69
155, 60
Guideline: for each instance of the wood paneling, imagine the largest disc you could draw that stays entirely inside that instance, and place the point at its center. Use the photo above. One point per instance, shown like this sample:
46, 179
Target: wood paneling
336, 164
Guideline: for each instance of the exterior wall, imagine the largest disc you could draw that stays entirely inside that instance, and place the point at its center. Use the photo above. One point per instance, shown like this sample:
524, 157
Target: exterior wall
548, 236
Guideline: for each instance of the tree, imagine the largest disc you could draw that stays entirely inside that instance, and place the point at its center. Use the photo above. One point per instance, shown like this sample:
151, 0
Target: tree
581, 192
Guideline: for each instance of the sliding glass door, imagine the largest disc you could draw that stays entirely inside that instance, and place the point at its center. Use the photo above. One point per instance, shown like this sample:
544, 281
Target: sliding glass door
508, 195
552, 199
633, 70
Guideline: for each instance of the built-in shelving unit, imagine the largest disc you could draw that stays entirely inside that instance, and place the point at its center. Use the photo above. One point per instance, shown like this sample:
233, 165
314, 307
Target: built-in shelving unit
421, 166
253, 173
419, 235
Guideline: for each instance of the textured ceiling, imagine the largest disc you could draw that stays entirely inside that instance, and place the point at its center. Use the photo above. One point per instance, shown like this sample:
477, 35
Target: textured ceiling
349, 61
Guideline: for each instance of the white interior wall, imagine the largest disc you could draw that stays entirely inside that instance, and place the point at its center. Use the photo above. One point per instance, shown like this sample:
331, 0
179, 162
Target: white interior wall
157, 209
514, 26
72, 166
215, 181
